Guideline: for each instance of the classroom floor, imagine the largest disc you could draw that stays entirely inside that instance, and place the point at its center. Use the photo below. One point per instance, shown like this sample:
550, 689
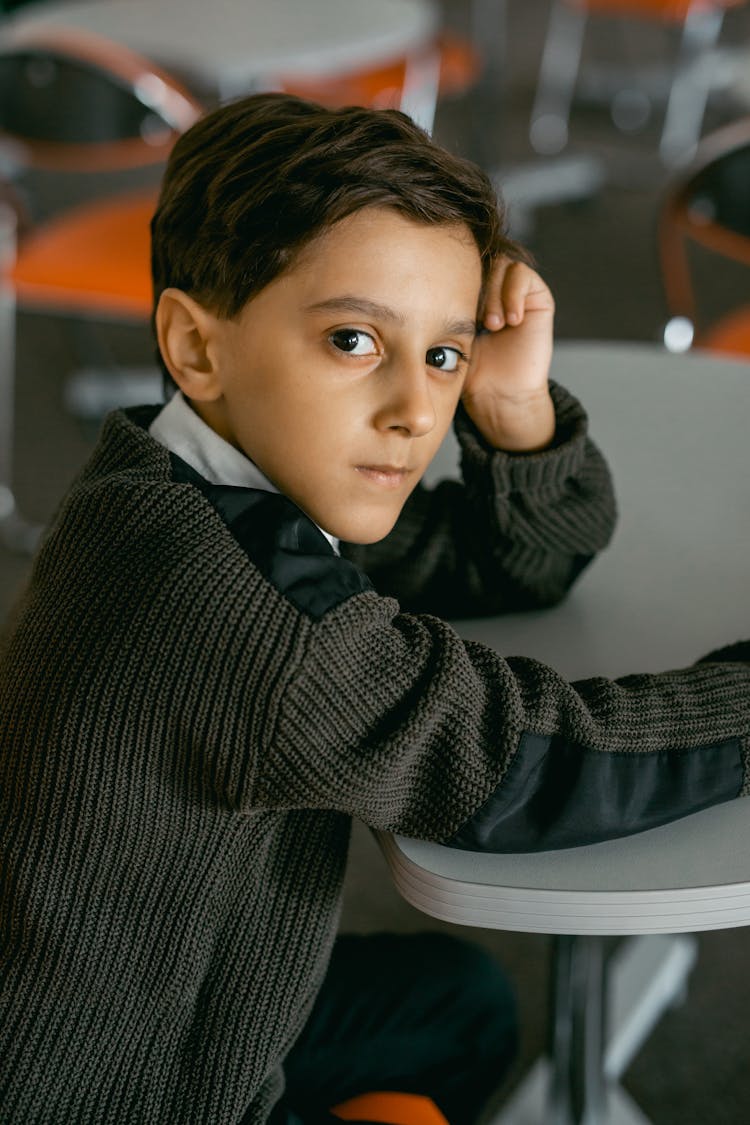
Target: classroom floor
600, 260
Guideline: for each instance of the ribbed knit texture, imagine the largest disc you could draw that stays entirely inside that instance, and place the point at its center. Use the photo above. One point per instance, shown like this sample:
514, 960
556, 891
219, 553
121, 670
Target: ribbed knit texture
181, 749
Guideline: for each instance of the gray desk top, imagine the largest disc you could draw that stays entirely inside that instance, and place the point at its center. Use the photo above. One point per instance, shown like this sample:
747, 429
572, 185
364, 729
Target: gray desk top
237, 45
672, 585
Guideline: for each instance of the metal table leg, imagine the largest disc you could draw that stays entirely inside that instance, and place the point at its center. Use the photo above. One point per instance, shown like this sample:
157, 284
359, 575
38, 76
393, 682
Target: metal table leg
645, 977
577, 1094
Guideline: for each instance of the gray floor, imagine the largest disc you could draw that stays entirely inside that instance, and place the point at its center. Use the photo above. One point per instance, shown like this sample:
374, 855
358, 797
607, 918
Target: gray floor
600, 259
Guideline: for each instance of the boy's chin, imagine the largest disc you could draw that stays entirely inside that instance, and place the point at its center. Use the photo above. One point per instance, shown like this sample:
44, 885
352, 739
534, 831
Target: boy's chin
365, 532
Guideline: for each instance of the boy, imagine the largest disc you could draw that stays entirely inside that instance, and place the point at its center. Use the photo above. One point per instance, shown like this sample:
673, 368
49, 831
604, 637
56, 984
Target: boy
210, 674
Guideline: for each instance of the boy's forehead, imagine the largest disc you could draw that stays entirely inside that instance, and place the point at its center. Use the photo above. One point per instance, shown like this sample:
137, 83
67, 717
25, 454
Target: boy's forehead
372, 224
380, 255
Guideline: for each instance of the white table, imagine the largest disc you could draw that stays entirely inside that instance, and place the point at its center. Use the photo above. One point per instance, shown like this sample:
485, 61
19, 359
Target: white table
674, 583
236, 46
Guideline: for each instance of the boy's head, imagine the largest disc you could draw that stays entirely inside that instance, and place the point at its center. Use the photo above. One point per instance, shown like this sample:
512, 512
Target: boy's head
317, 275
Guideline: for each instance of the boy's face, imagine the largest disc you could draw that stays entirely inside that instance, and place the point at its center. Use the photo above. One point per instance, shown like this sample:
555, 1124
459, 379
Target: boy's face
341, 378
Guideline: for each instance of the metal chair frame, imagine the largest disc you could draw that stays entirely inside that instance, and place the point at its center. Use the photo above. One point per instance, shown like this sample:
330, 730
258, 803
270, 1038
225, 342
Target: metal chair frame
686, 217
691, 80
161, 95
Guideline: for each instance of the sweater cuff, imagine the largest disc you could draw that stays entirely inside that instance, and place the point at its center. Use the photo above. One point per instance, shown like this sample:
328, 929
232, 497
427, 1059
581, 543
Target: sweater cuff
739, 653
527, 472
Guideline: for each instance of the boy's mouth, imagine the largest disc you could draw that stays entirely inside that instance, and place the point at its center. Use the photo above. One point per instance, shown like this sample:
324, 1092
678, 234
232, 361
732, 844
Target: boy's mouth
389, 476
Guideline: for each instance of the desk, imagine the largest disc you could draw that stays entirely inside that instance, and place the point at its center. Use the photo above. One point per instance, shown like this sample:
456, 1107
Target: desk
236, 46
673, 585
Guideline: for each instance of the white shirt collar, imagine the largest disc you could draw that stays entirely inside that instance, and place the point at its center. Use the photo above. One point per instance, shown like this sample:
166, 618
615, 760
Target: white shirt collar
181, 430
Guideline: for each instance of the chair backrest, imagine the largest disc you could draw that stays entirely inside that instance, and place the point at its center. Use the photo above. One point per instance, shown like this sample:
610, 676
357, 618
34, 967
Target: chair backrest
77, 102
708, 204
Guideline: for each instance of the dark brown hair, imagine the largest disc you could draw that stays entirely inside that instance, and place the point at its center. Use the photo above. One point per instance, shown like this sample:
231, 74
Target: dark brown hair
253, 182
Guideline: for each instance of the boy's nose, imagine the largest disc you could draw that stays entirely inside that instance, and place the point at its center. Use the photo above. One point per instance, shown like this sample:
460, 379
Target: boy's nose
407, 402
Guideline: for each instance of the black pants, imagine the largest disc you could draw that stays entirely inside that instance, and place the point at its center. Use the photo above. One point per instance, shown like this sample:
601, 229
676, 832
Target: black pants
421, 1013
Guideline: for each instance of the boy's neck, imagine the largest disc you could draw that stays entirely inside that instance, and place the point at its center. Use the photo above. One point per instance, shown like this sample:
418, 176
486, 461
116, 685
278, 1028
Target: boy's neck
181, 428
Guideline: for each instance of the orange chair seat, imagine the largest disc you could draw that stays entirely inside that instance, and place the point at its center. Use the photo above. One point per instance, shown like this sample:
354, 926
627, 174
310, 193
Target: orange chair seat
668, 11
730, 335
391, 1109
460, 67
92, 260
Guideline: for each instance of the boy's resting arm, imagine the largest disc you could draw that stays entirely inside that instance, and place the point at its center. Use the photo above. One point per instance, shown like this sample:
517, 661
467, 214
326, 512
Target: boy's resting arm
514, 535
394, 719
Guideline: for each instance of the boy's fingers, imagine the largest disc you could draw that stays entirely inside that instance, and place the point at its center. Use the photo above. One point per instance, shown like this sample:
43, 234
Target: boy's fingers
517, 284
494, 311
507, 293
514, 290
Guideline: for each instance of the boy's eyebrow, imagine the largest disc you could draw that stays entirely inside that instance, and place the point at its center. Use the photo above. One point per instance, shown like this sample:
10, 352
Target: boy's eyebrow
375, 310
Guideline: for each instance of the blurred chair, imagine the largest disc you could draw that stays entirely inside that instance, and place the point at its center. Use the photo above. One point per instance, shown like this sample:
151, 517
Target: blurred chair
390, 1109
74, 103
708, 206
700, 22
446, 68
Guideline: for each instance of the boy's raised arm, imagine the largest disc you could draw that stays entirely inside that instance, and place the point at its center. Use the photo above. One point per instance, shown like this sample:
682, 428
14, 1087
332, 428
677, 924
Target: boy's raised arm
537, 501
506, 392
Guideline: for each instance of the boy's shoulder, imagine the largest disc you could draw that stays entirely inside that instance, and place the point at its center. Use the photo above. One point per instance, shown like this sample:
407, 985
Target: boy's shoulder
125, 450
142, 507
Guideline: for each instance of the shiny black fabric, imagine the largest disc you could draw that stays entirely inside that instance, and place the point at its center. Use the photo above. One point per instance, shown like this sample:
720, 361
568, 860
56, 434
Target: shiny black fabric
284, 543
560, 794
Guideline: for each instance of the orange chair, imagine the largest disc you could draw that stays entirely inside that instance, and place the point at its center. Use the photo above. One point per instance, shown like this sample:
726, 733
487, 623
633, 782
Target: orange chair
90, 261
700, 22
390, 1109
708, 206
448, 67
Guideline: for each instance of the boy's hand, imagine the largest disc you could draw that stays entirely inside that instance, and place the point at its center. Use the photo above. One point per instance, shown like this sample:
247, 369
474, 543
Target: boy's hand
506, 393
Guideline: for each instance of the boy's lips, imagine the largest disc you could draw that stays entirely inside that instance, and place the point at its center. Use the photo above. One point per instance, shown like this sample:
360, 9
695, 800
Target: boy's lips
390, 476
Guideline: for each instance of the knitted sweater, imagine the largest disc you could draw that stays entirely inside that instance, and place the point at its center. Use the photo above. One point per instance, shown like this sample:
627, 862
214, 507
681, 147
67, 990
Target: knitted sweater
197, 694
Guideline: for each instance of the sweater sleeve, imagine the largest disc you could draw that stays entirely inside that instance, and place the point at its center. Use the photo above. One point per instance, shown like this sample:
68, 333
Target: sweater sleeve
514, 534
394, 719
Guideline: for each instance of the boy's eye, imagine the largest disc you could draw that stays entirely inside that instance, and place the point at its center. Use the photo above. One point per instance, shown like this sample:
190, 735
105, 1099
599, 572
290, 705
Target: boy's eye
446, 359
353, 341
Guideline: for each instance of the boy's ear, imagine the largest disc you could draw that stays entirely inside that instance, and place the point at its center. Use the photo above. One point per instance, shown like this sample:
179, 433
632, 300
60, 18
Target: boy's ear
185, 331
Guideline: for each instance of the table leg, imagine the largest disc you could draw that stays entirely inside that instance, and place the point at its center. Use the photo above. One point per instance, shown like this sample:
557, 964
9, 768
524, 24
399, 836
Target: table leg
577, 1094
645, 976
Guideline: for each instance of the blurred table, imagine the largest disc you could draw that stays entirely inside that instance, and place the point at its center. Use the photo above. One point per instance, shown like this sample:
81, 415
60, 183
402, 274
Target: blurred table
673, 584
674, 581
237, 46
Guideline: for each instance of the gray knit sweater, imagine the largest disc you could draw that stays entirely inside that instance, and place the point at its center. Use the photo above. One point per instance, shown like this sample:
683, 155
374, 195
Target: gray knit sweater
196, 695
